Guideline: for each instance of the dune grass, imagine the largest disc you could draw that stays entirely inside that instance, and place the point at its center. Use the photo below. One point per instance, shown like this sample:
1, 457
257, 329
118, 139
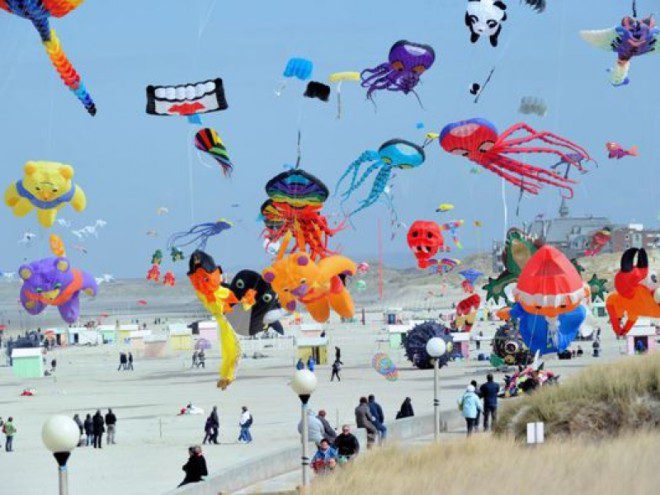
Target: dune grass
599, 401
494, 465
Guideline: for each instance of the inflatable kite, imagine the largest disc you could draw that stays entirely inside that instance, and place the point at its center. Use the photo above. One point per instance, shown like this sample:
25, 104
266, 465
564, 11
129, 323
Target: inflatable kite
199, 234
598, 241
532, 105
470, 276
415, 344
187, 99
169, 279
294, 208
52, 282
637, 292
633, 38
485, 18
478, 141
452, 228
425, 241
549, 301
157, 257
598, 288
300, 68
407, 62
466, 312
384, 366
206, 278
508, 348
447, 265
317, 90
393, 154
208, 141
259, 301
176, 254
153, 274
339, 78
518, 249
38, 12
46, 187
296, 278
444, 207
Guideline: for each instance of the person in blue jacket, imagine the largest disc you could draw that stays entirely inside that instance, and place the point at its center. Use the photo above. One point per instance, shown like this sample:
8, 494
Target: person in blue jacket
470, 406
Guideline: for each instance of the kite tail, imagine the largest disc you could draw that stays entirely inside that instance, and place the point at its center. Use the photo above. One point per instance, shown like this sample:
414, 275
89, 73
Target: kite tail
67, 72
231, 351
619, 73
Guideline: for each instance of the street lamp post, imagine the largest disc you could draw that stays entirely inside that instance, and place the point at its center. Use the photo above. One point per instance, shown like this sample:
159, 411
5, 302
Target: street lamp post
60, 435
303, 384
436, 347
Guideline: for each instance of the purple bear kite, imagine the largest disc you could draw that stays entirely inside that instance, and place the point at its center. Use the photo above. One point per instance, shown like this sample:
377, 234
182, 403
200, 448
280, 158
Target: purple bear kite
407, 62
52, 282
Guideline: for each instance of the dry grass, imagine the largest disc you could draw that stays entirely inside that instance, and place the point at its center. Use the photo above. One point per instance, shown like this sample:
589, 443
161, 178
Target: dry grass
483, 464
598, 402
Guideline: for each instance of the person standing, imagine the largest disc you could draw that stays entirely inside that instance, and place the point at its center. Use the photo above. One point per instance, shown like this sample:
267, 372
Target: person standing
195, 468
347, 444
470, 406
300, 365
329, 432
208, 430
314, 428
336, 368
406, 410
201, 359
245, 422
478, 392
194, 360
215, 422
122, 361
489, 392
364, 420
9, 429
130, 361
311, 364
99, 429
111, 423
378, 416
89, 430
2, 423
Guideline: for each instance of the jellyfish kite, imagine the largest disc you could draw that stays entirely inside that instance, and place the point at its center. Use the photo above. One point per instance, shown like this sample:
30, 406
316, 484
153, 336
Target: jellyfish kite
296, 199
478, 140
38, 12
393, 154
208, 141
407, 62
198, 235
470, 276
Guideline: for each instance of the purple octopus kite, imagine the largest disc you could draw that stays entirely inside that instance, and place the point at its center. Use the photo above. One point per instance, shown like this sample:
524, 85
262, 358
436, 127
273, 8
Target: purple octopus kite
407, 62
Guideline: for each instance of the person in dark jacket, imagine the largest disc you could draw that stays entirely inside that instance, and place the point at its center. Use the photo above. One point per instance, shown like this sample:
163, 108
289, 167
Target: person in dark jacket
208, 430
99, 429
195, 468
79, 422
329, 432
347, 444
89, 430
336, 368
364, 420
488, 392
130, 361
111, 423
378, 417
215, 420
406, 410
122, 361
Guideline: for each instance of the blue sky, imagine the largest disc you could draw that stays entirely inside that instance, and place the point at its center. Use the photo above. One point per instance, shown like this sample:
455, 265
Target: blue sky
130, 163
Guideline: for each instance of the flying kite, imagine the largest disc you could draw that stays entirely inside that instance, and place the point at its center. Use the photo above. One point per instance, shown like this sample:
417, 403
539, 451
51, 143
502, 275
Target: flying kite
384, 366
452, 228
470, 276
477, 140
532, 105
298, 68
339, 78
633, 38
187, 100
208, 141
46, 187
39, 12
198, 235
425, 240
392, 154
447, 265
162, 210
485, 18
444, 207
406, 63
256, 297
615, 150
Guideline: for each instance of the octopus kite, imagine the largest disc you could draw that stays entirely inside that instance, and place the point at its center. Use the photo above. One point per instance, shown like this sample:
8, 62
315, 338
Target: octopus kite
477, 139
634, 37
407, 62
38, 12
393, 154
294, 207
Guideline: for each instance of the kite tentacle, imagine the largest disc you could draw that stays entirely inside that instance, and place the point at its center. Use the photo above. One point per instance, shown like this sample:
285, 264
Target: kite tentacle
380, 183
367, 156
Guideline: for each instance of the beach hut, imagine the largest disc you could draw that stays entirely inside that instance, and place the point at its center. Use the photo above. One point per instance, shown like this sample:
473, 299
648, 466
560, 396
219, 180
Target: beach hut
396, 333
393, 316
108, 333
84, 336
155, 346
206, 330
180, 337
461, 344
126, 331
641, 338
316, 347
27, 362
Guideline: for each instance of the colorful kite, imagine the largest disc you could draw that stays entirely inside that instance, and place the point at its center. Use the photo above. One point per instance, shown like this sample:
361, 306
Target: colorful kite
633, 38
384, 366
339, 78
415, 344
39, 12
478, 140
187, 100
393, 154
208, 141
257, 298
407, 62
470, 276
452, 228
199, 234
425, 241
485, 18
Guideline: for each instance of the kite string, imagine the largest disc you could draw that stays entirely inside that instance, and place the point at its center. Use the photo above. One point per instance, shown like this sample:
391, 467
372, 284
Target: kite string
190, 177
505, 212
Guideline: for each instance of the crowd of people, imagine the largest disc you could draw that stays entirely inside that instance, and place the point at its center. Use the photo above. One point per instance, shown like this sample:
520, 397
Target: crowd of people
212, 427
125, 361
93, 428
470, 404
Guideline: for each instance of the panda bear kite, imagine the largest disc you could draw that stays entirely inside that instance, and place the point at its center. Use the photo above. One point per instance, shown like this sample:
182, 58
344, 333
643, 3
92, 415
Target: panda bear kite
485, 18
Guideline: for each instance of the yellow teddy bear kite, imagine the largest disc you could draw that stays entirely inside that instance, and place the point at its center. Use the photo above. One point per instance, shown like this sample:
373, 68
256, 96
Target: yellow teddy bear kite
46, 186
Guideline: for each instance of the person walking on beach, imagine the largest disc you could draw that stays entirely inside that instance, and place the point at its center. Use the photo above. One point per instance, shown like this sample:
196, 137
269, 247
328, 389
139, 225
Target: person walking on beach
195, 468
89, 430
478, 392
364, 420
201, 359
215, 422
470, 406
336, 368
99, 429
111, 423
489, 392
378, 418
9, 429
130, 361
245, 423
406, 410
122, 361
194, 360
208, 430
